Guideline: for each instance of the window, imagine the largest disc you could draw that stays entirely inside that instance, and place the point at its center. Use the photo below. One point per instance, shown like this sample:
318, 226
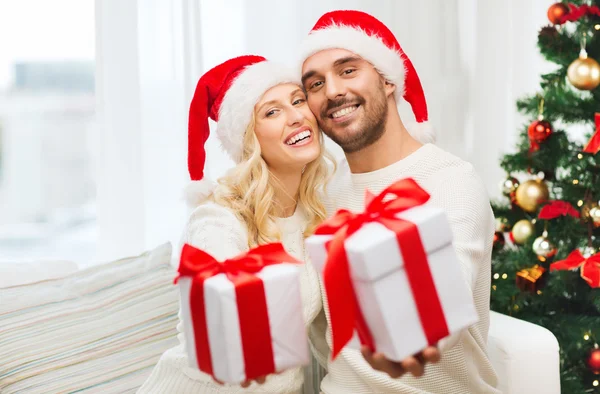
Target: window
47, 115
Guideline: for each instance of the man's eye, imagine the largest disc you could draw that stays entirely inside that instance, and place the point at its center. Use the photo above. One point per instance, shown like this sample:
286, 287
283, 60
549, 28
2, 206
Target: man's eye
349, 71
316, 84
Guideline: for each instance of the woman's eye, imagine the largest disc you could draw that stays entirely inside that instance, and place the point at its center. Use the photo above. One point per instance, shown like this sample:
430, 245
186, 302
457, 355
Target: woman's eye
270, 113
298, 101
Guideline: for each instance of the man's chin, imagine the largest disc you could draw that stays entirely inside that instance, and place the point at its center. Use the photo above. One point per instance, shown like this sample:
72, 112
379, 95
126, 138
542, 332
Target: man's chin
343, 128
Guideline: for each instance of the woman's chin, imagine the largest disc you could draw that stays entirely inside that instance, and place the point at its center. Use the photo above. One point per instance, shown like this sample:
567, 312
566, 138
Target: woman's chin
301, 159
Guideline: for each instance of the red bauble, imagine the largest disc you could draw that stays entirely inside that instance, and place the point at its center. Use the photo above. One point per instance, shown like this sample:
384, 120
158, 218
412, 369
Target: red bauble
499, 240
539, 131
593, 361
556, 12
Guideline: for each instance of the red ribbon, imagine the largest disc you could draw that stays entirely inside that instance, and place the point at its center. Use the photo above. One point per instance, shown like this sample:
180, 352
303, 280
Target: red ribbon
344, 310
593, 145
577, 12
557, 208
250, 297
589, 267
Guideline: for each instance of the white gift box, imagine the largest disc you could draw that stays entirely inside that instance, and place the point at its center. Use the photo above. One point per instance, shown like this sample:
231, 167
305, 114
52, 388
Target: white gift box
381, 284
284, 305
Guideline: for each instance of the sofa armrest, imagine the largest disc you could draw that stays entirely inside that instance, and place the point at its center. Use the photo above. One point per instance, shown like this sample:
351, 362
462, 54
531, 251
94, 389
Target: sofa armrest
524, 355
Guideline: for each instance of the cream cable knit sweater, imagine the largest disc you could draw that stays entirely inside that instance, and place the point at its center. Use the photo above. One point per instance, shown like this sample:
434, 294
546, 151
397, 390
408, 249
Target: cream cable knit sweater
454, 186
218, 231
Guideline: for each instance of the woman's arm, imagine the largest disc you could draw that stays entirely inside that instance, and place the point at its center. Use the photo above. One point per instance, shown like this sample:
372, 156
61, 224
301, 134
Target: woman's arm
217, 231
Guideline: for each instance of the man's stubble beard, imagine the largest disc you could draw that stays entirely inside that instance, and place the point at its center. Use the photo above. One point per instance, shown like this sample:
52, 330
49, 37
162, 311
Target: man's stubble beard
370, 128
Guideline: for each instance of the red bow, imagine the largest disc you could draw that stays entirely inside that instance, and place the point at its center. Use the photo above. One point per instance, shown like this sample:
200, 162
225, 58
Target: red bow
196, 262
593, 145
590, 267
557, 208
344, 310
250, 298
576, 12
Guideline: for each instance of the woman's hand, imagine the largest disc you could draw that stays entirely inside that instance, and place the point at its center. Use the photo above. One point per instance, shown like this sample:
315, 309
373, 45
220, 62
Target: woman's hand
246, 383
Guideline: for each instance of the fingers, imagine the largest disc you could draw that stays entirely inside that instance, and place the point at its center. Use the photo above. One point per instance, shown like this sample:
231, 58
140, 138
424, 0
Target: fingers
394, 369
413, 365
431, 354
261, 380
378, 362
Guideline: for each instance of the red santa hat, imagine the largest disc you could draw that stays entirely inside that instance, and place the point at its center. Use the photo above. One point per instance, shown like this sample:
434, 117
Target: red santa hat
227, 94
369, 38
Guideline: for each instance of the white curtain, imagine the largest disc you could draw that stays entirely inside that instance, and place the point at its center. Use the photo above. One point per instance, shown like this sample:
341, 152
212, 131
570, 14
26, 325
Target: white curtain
146, 54
474, 59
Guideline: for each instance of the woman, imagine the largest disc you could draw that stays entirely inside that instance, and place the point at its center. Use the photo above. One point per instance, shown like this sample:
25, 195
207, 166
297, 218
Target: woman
265, 125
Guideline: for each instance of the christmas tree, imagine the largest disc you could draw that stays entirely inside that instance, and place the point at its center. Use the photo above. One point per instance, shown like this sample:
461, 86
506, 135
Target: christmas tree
546, 260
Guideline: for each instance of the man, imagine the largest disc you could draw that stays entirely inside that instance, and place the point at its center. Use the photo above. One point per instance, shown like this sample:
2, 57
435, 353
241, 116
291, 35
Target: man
355, 74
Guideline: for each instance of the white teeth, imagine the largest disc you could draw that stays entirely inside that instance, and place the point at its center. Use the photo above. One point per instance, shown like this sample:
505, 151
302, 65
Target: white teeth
344, 111
298, 137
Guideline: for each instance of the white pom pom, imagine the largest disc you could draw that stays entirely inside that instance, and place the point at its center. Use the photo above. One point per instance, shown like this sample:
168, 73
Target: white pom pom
197, 192
422, 132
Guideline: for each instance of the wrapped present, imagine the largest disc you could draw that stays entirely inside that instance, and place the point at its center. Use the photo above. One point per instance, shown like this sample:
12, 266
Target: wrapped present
242, 317
391, 274
531, 279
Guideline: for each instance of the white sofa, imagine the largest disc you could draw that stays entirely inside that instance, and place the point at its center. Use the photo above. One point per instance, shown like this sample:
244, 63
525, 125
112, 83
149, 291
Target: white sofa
525, 356
117, 318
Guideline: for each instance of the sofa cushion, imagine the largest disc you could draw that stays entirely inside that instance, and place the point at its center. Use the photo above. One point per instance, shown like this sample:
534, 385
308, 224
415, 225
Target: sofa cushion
14, 273
101, 329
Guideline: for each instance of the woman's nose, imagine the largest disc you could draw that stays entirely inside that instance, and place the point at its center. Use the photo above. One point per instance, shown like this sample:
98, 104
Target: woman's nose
295, 117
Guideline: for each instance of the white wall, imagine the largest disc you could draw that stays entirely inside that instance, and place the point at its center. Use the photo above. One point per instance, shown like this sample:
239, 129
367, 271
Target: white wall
475, 59
499, 43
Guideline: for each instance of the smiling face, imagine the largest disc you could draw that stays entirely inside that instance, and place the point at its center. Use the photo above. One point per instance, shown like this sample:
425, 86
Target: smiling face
348, 96
286, 129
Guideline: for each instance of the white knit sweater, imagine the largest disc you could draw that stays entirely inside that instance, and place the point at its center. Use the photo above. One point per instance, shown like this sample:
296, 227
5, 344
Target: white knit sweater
218, 231
454, 186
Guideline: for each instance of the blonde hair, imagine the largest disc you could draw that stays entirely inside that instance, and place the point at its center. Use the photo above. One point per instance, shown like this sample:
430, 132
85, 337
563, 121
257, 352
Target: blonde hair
248, 190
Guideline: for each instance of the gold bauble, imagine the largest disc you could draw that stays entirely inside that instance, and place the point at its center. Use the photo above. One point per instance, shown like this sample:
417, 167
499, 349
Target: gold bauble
586, 210
543, 248
531, 194
584, 73
595, 216
521, 231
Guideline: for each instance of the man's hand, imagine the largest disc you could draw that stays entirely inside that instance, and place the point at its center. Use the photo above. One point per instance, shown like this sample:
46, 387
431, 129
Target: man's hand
414, 364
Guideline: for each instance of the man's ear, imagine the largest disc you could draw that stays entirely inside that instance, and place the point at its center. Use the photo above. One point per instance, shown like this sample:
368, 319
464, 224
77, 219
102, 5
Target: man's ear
389, 88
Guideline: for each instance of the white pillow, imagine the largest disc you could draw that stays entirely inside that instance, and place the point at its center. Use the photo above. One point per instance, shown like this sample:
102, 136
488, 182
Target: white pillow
97, 330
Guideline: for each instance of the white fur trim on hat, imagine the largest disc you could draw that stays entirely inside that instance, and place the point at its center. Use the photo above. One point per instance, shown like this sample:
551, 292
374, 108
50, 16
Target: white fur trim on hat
197, 192
422, 132
371, 48
238, 103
